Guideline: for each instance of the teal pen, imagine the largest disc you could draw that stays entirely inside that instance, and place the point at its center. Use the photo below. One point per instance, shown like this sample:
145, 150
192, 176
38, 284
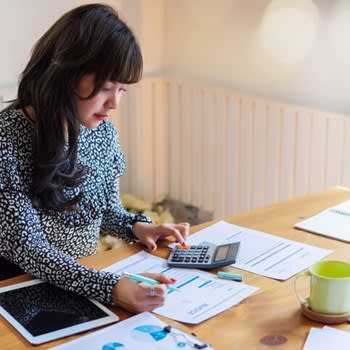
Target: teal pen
139, 278
230, 276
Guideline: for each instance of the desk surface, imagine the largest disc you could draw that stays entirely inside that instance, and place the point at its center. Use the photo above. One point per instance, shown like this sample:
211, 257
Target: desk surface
271, 316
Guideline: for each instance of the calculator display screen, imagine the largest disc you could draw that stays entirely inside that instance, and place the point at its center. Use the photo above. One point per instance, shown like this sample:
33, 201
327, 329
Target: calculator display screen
221, 252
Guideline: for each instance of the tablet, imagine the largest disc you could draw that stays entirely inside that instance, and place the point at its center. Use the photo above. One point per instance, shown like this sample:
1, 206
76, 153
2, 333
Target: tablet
42, 312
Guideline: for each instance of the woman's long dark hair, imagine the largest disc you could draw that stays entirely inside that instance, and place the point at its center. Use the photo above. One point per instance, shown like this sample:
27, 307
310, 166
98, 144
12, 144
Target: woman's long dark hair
88, 39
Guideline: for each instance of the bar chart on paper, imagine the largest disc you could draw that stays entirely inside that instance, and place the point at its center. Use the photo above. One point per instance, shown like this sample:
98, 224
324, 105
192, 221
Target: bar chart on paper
202, 295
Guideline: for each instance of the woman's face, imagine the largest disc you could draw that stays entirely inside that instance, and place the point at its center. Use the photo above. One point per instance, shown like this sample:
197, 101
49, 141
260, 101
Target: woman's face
93, 111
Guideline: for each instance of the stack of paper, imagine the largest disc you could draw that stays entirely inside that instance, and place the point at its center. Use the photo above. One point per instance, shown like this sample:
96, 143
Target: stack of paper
327, 338
333, 222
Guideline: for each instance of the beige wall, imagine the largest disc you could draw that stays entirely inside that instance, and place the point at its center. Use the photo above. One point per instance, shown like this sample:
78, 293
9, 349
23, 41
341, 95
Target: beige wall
218, 42
215, 43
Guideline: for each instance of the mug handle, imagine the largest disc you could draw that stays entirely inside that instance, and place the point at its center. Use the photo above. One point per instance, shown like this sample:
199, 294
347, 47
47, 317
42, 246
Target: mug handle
301, 274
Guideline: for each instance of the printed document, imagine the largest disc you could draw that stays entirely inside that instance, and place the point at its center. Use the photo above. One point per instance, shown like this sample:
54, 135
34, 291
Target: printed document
202, 295
327, 338
333, 222
143, 331
260, 252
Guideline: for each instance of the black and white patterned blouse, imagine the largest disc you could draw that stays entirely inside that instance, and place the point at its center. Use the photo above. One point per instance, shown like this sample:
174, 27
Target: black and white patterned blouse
46, 243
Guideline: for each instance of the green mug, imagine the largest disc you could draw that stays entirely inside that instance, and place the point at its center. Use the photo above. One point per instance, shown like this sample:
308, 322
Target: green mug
329, 287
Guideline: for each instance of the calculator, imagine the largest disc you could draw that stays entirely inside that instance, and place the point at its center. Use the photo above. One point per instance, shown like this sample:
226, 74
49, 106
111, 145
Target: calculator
205, 255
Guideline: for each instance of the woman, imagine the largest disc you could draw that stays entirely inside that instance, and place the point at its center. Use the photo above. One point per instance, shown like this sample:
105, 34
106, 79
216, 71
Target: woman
61, 161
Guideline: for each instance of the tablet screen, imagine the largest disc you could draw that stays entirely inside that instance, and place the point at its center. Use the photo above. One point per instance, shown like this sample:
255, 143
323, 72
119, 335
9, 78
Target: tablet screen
44, 311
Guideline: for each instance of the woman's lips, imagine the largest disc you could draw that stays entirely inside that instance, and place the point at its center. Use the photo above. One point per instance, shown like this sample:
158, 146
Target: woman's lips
101, 117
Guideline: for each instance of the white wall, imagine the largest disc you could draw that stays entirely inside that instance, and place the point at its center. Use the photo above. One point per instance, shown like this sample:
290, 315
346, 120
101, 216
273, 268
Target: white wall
146, 19
217, 42
22, 23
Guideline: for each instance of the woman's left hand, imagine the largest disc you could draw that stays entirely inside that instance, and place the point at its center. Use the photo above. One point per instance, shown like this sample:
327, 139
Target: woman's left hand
148, 234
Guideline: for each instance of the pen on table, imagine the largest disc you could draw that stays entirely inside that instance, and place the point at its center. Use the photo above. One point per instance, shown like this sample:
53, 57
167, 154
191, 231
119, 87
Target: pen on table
230, 276
140, 278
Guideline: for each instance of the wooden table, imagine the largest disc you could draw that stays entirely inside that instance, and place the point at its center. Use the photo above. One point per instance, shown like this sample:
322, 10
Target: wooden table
271, 318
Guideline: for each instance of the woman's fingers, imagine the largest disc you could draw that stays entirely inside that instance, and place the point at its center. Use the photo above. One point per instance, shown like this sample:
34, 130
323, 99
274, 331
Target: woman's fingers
138, 297
150, 243
184, 228
157, 290
161, 278
152, 296
148, 234
178, 231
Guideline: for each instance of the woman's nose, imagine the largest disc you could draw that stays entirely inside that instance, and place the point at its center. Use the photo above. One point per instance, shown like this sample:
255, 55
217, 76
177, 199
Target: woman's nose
113, 101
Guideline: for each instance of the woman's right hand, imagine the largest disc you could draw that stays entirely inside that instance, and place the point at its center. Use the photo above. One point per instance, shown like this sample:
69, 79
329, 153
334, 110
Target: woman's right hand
137, 297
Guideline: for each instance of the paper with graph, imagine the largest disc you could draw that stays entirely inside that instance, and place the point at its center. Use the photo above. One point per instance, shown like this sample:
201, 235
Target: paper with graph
203, 294
143, 331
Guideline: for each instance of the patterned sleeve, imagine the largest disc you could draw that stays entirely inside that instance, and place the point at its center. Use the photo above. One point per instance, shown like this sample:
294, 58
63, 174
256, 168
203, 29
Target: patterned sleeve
117, 221
23, 242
